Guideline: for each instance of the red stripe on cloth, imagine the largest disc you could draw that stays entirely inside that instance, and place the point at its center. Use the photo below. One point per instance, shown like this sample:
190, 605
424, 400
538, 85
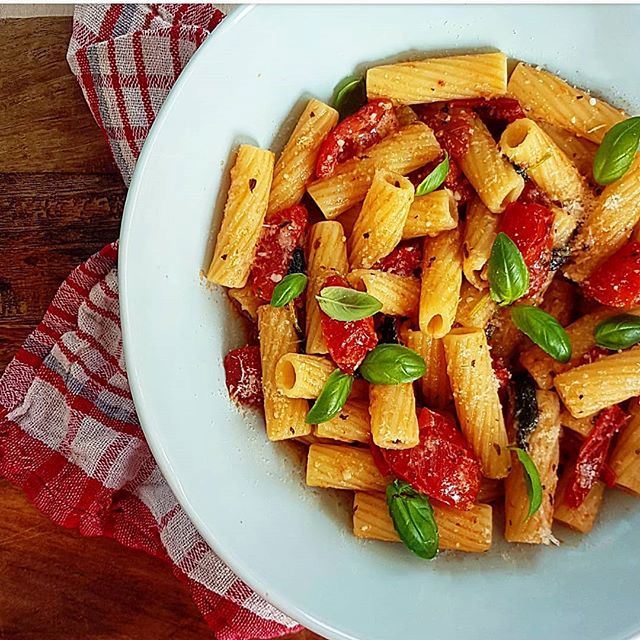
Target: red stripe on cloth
120, 101
103, 311
93, 374
109, 21
28, 358
110, 358
87, 83
141, 76
174, 49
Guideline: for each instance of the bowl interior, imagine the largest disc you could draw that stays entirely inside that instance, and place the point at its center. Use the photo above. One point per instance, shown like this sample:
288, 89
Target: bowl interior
246, 495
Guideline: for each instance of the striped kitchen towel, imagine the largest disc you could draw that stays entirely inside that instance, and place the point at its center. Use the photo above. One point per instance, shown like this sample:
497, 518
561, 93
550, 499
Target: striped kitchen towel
69, 434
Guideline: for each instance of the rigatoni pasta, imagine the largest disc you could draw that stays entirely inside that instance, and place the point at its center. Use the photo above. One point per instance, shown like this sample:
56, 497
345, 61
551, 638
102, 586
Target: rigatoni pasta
284, 417
476, 399
413, 342
436, 79
244, 213
494, 179
545, 96
378, 228
409, 149
441, 281
296, 163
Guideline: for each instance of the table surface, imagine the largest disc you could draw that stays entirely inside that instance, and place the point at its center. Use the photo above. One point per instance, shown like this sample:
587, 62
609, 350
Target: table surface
56, 174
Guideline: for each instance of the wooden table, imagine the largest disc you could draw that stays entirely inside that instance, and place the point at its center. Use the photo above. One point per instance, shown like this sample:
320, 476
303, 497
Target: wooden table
61, 199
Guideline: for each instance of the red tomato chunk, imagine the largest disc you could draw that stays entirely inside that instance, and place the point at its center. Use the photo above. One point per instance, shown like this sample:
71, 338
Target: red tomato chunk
451, 125
530, 227
616, 283
404, 260
243, 372
348, 342
442, 465
281, 234
356, 133
590, 464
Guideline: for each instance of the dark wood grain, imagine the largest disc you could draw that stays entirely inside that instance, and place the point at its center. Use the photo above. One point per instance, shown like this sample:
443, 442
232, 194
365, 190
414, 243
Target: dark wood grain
60, 201
44, 123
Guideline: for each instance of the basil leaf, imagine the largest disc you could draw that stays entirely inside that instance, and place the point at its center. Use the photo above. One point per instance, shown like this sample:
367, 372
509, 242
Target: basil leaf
413, 519
342, 303
334, 394
525, 411
544, 330
507, 272
435, 178
617, 151
531, 478
619, 332
289, 288
392, 364
349, 95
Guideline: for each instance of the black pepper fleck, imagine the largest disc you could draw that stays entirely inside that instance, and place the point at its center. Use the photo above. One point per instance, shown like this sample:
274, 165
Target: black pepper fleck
252, 184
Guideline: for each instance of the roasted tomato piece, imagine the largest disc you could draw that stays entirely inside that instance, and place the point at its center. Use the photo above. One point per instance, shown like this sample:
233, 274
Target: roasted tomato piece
592, 455
502, 373
451, 125
441, 465
281, 234
496, 113
404, 260
616, 282
530, 227
532, 194
348, 342
243, 373
357, 132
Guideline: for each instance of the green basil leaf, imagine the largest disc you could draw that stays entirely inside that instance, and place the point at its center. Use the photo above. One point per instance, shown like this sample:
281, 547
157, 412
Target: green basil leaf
617, 151
349, 95
392, 364
413, 519
619, 332
531, 478
342, 303
507, 272
289, 288
435, 178
332, 398
544, 330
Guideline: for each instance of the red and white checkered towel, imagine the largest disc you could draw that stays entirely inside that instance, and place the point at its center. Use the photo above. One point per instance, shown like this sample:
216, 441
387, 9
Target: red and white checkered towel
69, 434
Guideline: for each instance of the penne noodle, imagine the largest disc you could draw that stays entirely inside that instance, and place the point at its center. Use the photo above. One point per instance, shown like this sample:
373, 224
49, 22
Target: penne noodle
410, 148
327, 254
441, 281
246, 300
299, 375
352, 424
284, 417
608, 226
341, 467
431, 214
399, 295
476, 307
610, 380
244, 214
436, 79
475, 393
546, 97
527, 145
480, 231
544, 449
581, 426
297, 162
625, 459
378, 228
394, 424
434, 384
580, 151
469, 531
496, 182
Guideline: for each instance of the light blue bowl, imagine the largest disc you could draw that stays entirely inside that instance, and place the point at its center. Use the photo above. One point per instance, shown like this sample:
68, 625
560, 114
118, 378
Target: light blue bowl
292, 544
